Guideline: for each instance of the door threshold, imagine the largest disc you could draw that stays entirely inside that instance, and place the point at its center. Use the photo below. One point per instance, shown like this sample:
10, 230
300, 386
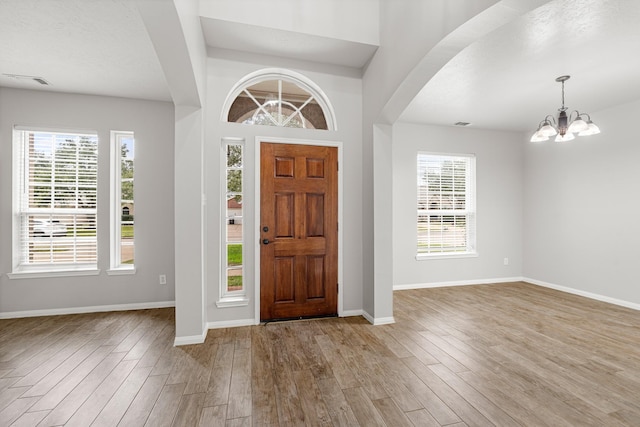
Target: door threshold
294, 319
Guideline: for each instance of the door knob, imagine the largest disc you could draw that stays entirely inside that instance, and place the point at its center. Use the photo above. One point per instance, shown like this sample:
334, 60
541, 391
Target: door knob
265, 228
265, 241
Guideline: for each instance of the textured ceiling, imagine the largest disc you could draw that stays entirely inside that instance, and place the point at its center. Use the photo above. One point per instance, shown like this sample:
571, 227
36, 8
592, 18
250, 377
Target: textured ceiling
96, 47
506, 80
285, 44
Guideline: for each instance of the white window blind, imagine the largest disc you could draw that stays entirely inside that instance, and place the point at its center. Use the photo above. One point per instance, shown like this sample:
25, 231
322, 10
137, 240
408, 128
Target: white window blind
446, 205
57, 200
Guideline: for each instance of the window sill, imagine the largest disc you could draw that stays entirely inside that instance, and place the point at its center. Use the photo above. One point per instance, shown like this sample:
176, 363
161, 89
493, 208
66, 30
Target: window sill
121, 271
232, 302
35, 274
425, 257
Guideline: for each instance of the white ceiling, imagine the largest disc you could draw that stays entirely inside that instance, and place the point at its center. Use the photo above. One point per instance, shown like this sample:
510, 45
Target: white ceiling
506, 80
97, 47
502, 81
285, 44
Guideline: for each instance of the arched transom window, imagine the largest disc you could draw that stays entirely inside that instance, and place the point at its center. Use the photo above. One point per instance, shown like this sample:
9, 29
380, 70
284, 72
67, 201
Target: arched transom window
276, 99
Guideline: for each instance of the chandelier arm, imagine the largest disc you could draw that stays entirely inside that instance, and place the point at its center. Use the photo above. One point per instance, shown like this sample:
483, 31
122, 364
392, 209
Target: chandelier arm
553, 119
578, 114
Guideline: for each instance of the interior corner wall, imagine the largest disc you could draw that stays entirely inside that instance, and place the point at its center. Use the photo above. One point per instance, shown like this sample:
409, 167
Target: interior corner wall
383, 267
345, 95
417, 27
153, 125
189, 272
499, 186
582, 200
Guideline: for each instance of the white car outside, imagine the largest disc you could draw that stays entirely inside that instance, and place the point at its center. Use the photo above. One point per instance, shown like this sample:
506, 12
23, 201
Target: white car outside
49, 228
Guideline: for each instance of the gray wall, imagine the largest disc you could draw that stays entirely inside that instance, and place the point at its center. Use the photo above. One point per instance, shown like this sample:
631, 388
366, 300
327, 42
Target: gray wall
582, 200
153, 124
499, 185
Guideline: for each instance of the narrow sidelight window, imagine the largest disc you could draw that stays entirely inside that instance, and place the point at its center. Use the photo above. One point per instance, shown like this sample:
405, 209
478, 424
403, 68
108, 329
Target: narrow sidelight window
122, 201
234, 221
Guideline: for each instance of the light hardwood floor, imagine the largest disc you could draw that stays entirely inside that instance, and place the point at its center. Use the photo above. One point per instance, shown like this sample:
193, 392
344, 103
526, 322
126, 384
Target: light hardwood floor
504, 354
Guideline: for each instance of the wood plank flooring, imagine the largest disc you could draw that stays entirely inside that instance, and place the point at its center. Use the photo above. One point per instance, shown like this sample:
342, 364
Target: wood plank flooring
504, 355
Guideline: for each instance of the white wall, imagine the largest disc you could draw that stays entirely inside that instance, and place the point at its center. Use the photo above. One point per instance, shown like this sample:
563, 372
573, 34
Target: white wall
391, 80
582, 200
353, 20
345, 94
409, 30
153, 124
499, 186
175, 31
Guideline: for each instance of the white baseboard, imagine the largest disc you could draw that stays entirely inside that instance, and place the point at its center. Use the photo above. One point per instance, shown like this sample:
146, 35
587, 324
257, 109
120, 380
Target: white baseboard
190, 339
378, 320
383, 321
581, 293
456, 283
351, 313
89, 309
231, 323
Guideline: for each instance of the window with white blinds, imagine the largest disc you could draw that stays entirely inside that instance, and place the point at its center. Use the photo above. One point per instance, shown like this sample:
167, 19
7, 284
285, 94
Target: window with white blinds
56, 201
446, 205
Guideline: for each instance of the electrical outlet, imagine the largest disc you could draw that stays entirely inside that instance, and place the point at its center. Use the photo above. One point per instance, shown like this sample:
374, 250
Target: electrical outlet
163, 279
506, 261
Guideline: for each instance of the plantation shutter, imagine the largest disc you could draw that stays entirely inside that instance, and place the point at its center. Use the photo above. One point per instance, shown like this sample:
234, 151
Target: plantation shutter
446, 204
58, 199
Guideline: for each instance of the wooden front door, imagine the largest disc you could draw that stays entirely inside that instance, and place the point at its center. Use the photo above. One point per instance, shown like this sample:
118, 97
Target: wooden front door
298, 231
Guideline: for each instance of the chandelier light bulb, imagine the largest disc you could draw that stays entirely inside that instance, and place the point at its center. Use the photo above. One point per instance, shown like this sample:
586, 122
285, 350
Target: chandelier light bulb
548, 130
592, 129
539, 137
566, 137
578, 125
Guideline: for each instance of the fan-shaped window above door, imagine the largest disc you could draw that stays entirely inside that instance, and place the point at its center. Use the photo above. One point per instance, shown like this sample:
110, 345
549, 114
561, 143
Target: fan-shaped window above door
279, 98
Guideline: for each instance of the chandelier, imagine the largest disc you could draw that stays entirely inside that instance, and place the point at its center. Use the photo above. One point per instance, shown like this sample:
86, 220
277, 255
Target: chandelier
566, 125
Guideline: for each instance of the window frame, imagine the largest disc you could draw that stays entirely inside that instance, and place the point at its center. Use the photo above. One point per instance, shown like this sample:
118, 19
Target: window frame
229, 298
20, 183
285, 75
115, 198
469, 211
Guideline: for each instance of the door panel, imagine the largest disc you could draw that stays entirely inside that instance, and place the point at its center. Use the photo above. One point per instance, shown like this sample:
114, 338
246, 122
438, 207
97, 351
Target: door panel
315, 276
315, 215
299, 231
283, 275
284, 215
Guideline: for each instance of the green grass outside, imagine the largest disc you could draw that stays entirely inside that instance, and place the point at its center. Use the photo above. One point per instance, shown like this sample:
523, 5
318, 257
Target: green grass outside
234, 254
126, 231
234, 257
234, 283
